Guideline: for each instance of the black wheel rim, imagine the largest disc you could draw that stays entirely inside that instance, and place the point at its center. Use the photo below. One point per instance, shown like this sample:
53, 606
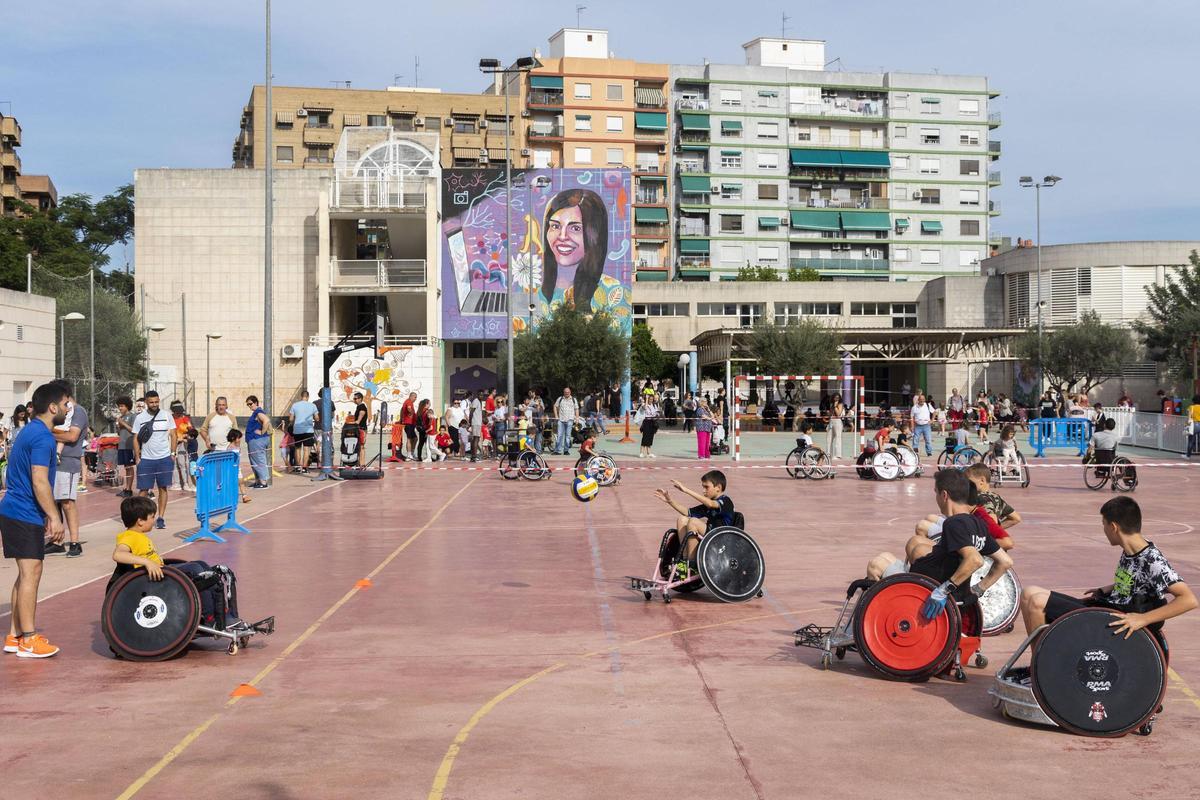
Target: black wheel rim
730, 564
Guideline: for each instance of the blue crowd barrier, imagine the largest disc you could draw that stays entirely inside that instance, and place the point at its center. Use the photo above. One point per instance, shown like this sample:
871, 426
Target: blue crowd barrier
1059, 432
218, 490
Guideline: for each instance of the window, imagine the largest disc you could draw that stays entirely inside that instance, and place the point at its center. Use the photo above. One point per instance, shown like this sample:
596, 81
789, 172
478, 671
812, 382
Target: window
968, 167
583, 155
787, 313
768, 191
474, 350
821, 309
768, 161
731, 127
900, 192
614, 124
968, 258
900, 101
402, 122
731, 160
731, 191
731, 223
466, 124
749, 314
968, 197
930, 166
495, 123
316, 155
870, 309
767, 130
660, 309
768, 98
968, 138
931, 105
283, 154
731, 98
376, 120
318, 119
616, 92
930, 197
968, 227
901, 254
968, 107
899, 162
904, 315
716, 309
583, 122
802, 134
768, 254
931, 256
583, 91
1085, 281
931, 136
732, 254
433, 124
615, 155
901, 132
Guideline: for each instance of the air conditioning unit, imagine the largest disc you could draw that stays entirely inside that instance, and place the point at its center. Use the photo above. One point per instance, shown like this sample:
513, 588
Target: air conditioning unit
525, 151
301, 112
526, 114
291, 352
483, 123
418, 123
483, 154
448, 123
662, 149
915, 195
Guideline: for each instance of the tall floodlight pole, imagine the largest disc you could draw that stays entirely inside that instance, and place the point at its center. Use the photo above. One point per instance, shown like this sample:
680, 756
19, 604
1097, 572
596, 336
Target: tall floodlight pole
1027, 182
492, 66
92, 339
268, 210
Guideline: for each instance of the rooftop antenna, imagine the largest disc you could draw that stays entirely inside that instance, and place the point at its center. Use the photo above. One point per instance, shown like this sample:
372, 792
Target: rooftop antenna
579, 14
396, 78
783, 24
416, 70
340, 84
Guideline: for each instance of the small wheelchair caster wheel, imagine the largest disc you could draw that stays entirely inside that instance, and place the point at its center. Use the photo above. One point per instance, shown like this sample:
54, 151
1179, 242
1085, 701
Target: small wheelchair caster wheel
647, 595
840, 653
759, 593
233, 649
826, 661
1146, 729
666, 597
980, 660
959, 675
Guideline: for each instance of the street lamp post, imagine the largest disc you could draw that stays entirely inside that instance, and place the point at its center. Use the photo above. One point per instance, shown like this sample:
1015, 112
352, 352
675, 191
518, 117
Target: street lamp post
208, 338
157, 327
491, 66
62, 341
684, 360
1027, 182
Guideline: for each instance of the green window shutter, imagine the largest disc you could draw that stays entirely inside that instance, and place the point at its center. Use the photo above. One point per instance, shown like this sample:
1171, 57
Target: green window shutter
865, 159
694, 122
650, 120
815, 221
866, 221
695, 247
812, 157
931, 226
652, 215
546, 81
695, 184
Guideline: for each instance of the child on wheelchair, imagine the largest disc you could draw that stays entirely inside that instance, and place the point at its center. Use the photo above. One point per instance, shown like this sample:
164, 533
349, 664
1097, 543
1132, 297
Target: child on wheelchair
1146, 591
714, 510
1102, 447
587, 449
215, 584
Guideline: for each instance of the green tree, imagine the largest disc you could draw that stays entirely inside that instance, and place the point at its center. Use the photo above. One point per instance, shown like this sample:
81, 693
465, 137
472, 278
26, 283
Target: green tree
760, 274
1174, 324
806, 347
805, 274
1080, 357
646, 358
569, 349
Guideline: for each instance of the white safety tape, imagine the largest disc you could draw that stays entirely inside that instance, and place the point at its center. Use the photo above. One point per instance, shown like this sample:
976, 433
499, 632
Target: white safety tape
726, 465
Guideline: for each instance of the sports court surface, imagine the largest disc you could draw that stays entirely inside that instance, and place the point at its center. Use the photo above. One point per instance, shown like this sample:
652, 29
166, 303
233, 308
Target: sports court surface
498, 653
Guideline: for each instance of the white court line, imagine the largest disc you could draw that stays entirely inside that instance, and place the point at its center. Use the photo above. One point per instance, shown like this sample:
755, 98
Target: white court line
173, 549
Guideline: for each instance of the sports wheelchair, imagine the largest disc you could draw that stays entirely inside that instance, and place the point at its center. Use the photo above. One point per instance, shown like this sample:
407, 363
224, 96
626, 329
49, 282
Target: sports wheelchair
1084, 679
516, 462
881, 621
957, 455
1000, 605
1009, 474
892, 462
601, 466
808, 461
1105, 466
145, 620
728, 563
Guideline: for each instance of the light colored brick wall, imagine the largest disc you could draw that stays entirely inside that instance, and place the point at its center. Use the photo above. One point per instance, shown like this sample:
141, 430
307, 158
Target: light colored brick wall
30, 361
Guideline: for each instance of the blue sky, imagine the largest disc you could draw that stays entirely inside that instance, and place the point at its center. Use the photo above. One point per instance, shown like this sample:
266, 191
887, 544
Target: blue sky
1096, 92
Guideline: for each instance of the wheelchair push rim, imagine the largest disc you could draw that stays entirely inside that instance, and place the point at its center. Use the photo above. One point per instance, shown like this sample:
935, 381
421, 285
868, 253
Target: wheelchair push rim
1093, 683
603, 468
1001, 603
886, 465
910, 462
793, 464
892, 637
730, 564
145, 620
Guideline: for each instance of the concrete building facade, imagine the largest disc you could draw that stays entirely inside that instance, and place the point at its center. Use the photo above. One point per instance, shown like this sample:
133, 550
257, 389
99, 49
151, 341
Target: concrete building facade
27, 354
15, 186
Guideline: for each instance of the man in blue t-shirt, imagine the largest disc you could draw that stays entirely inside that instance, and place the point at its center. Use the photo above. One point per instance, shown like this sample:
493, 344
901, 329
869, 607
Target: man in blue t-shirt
28, 514
303, 418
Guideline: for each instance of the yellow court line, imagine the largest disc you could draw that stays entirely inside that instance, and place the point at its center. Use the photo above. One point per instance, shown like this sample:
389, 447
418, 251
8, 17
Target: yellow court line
1182, 686
437, 791
195, 734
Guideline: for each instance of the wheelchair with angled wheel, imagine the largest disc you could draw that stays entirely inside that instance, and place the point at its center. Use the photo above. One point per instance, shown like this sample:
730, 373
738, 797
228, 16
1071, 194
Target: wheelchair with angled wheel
1007, 474
1101, 467
892, 462
145, 620
957, 455
808, 461
518, 461
600, 466
728, 562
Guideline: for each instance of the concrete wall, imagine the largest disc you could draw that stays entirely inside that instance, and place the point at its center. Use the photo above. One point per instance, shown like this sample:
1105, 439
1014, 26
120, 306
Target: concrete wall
200, 233
27, 356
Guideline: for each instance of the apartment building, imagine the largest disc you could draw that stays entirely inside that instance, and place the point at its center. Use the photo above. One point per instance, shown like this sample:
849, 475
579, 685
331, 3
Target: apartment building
585, 108
308, 124
36, 190
868, 176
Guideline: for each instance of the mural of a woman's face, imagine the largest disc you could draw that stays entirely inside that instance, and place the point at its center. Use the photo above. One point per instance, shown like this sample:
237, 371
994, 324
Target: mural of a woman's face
564, 235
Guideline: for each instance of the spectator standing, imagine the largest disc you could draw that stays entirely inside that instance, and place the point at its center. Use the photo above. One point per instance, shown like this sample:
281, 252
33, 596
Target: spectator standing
922, 422
535, 411
124, 422
704, 429
689, 412
452, 418
258, 439
153, 449
70, 434
956, 405
905, 393
612, 401
216, 427
475, 419
489, 403
28, 516
1124, 401
837, 412
1193, 426
408, 418
566, 411
303, 417
1047, 408
423, 421
650, 412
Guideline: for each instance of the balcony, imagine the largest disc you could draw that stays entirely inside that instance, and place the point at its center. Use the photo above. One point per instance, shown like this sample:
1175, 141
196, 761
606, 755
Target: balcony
825, 202
993, 207
994, 119
651, 231
694, 137
689, 104
541, 97
835, 139
644, 198
840, 264
545, 131
694, 262
825, 175
376, 275
9, 158
994, 148
839, 107
320, 135
994, 178
692, 166
9, 128
649, 168
690, 227
9, 190
325, 342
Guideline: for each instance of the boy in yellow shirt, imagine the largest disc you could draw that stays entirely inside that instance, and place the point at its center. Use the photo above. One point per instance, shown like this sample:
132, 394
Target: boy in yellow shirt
135, 550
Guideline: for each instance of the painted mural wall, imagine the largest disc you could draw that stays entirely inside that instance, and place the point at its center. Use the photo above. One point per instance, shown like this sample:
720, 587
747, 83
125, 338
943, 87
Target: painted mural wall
571, 238
390, 376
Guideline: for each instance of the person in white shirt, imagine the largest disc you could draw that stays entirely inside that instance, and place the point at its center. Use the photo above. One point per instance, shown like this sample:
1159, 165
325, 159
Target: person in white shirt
453, 418
922, 420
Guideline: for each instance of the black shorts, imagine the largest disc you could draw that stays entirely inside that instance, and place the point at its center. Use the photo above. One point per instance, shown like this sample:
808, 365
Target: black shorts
23, 539
302, 439
125, 458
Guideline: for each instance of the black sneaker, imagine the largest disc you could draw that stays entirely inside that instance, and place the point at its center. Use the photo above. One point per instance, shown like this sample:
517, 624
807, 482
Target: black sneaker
257, 485
74, 550
125, 493
54, 549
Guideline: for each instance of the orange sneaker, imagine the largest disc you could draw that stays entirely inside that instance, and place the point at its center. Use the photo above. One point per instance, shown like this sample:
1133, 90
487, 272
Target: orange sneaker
11, 643
36, 646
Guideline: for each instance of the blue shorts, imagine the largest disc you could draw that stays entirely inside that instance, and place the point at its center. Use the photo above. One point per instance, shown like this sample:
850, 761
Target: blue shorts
153, 472
124, 458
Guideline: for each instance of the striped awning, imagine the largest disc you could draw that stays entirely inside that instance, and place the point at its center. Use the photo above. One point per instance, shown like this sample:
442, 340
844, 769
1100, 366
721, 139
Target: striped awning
649, 96
351, 120
285, 117
318, 107
469, 153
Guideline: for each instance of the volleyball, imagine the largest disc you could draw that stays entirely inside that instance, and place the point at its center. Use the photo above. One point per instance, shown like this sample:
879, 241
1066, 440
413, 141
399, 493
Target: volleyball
585, 488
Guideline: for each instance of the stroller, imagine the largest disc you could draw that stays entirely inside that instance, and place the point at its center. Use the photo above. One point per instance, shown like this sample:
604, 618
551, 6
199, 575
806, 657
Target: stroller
105, 469
720, 445
350, 446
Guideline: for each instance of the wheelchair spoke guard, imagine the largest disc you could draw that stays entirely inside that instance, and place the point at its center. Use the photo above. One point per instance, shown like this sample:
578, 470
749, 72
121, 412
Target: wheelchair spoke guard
730, 564
145, 620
